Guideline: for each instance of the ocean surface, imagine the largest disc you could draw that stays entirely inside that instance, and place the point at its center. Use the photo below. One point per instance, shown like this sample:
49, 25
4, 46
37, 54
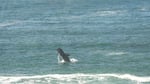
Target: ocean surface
109, 39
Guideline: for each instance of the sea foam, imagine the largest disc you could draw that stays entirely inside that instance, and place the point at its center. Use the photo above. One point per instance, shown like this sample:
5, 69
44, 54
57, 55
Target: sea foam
10, 23
116, 53
80, 78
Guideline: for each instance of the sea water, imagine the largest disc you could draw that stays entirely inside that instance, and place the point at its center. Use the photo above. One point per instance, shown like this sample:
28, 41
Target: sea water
109, 39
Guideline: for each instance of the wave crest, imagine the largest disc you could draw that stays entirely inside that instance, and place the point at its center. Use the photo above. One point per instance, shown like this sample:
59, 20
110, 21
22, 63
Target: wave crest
79, 78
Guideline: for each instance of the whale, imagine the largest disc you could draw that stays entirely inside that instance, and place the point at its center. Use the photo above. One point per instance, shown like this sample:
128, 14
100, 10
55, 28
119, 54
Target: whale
62, 56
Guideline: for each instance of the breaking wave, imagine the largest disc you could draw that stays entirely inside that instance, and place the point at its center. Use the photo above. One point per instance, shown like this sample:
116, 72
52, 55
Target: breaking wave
5, 24
99, 13
117, 53
111, 53
78, 78
16, 22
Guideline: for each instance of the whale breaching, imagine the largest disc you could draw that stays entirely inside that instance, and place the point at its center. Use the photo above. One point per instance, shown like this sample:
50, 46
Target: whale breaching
64, 57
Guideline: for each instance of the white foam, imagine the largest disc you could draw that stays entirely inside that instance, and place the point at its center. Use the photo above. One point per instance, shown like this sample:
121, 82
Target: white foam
73, 60
128, 77
110, 53
98, 13
105, 13
10, 23
4, 24
60, 60
109, 13
143, 9
79, 77
117, 53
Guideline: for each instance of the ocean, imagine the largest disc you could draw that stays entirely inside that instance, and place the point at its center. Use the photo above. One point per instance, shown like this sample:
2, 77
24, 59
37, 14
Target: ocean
109, 39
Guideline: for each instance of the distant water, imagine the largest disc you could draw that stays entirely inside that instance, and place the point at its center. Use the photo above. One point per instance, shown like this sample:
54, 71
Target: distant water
109, 38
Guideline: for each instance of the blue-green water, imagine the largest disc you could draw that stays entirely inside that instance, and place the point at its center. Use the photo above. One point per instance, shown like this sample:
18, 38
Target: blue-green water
109, 38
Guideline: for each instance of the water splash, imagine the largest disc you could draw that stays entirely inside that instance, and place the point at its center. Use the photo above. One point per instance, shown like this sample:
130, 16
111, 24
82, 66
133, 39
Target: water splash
60, 59
73, 60
116, 53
